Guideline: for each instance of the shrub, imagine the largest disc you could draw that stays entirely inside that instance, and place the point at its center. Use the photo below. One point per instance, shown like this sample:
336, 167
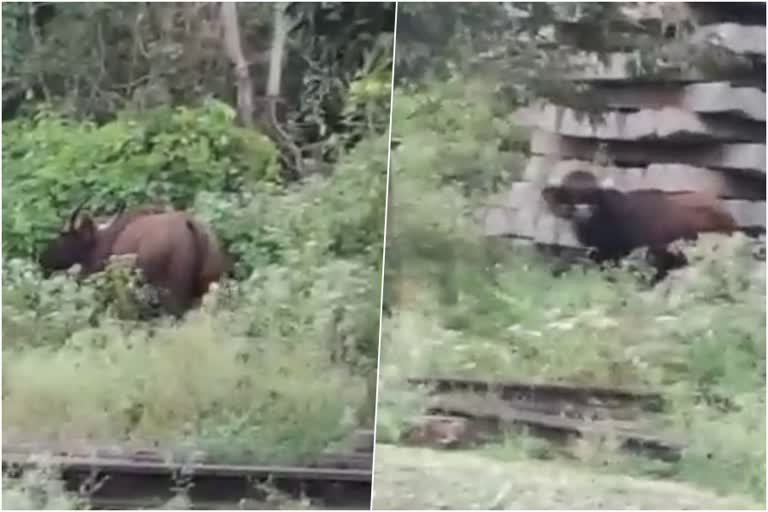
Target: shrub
458, 132
38, 312
51, 163
323, 217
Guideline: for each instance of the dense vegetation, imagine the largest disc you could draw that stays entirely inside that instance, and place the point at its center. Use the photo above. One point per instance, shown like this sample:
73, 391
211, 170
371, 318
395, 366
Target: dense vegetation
279, 363
468, 306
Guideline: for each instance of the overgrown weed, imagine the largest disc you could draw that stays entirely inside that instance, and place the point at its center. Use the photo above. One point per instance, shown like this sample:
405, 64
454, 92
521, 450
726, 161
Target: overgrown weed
203, 378
39, 489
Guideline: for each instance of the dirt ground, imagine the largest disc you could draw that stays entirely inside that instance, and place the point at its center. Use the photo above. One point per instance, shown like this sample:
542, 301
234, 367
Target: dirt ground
416, 478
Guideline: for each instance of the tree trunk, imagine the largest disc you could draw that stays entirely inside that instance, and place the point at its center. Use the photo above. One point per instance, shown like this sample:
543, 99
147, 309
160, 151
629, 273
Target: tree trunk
277, 51
235, 52
280, 30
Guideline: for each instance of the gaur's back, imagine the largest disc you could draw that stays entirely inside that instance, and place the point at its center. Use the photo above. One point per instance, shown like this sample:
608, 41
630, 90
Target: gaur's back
166, 251
157, 228
628, 220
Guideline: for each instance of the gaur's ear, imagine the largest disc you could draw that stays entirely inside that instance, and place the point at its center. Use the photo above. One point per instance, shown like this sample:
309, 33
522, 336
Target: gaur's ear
551, 194
85, 227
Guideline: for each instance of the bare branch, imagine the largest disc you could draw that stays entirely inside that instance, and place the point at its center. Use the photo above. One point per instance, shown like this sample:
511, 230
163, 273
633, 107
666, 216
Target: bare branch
280, 30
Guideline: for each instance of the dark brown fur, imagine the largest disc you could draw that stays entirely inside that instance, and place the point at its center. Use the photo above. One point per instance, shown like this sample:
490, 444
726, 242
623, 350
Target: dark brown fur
177, 253
614, 223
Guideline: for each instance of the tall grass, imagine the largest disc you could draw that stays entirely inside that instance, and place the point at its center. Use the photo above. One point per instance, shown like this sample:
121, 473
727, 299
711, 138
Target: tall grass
38, 489
199, 382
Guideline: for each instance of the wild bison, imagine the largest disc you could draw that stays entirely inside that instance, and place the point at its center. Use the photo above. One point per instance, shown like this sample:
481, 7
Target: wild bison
177, 254
614, 223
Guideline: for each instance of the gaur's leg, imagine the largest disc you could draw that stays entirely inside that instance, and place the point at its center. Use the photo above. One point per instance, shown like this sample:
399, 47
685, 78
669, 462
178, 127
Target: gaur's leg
157, 267
664, 260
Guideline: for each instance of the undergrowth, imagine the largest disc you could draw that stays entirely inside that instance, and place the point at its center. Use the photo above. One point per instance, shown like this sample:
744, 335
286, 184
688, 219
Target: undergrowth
232, 378
39, 489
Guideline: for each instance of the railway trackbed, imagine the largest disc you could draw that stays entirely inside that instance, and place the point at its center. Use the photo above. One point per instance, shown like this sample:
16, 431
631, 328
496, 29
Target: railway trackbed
464, 412
108, 479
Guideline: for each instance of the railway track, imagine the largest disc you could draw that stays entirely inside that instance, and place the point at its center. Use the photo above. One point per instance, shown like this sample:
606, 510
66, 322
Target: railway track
109, 478
463, 412
559, 395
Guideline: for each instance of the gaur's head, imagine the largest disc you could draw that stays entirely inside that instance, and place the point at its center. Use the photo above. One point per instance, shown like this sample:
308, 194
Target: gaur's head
73, 244
575, 199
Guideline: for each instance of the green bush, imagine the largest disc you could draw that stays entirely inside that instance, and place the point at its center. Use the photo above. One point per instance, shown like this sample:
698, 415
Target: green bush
458, 144
51, 163
38, 312
340, 216
460, 132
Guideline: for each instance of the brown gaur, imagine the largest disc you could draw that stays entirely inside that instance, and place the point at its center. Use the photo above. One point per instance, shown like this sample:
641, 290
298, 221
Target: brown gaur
177, 253
614, 223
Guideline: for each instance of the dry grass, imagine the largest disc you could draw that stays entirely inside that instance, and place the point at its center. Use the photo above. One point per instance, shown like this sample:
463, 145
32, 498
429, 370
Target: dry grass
413, 479
186, 384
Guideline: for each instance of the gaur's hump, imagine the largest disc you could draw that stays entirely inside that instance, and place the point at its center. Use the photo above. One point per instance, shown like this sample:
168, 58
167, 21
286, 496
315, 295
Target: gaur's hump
172, 216
579, 179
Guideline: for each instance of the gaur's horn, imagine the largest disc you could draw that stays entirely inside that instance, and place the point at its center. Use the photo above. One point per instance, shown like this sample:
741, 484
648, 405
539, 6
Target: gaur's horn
104, 224
75, 213
121, 206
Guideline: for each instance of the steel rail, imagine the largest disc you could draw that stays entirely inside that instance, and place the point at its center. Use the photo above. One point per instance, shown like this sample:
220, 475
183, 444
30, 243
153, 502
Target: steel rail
119, 482
510, 390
